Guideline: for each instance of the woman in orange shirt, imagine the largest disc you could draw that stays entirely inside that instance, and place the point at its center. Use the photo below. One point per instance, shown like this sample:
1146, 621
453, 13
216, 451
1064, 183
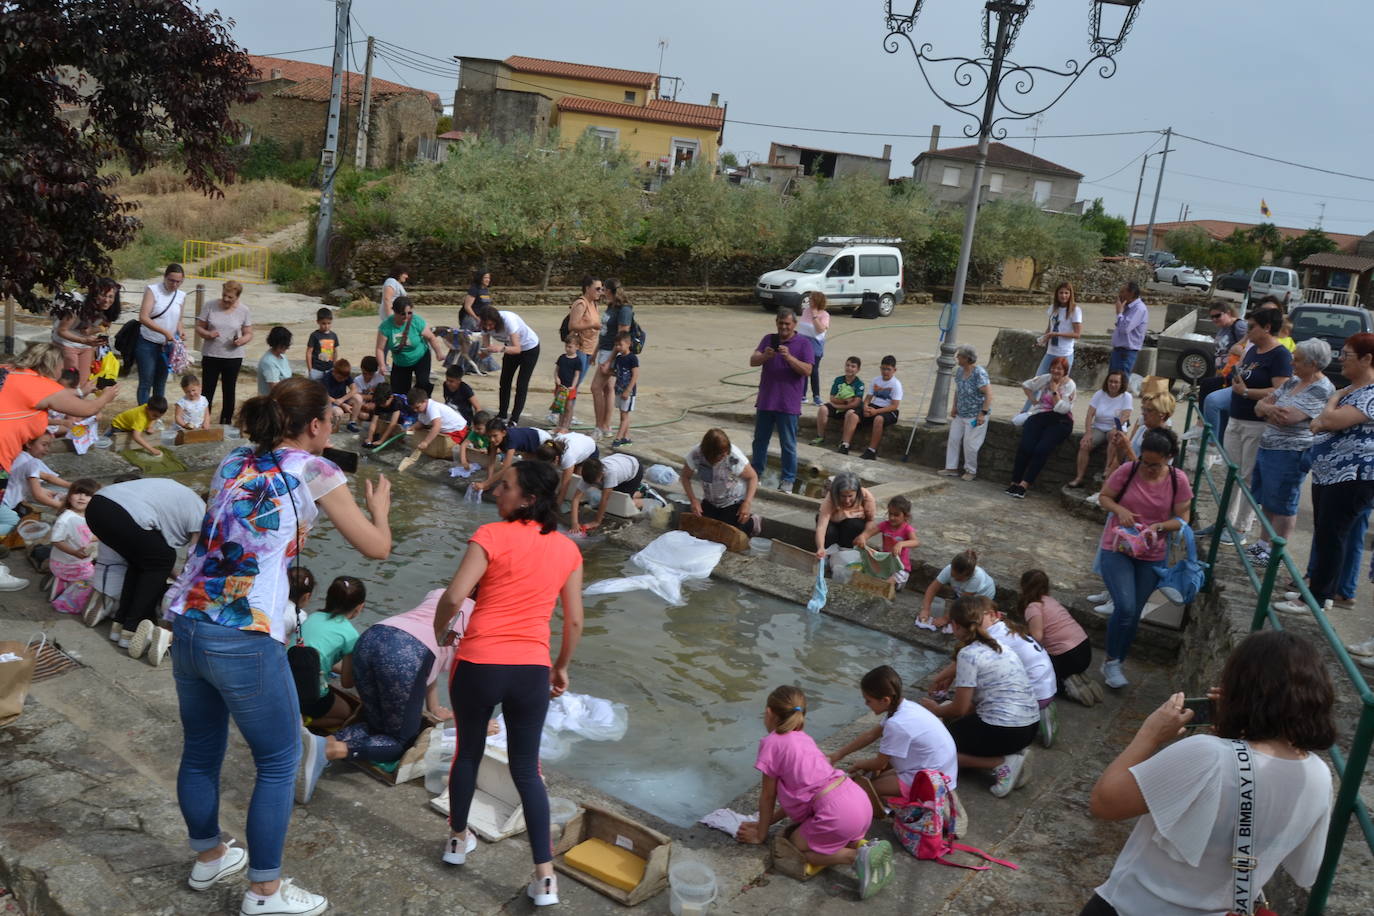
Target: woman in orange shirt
523, 565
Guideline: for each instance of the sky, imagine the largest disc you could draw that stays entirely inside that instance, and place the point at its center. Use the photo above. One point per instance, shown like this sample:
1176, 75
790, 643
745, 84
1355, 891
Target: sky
1282, 80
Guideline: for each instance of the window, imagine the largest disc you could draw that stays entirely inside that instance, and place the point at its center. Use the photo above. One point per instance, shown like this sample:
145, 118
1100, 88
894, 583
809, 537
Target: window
608, 137
1042, 192
684, 153
950, 177
630, 96
1261, 276
843, 267
878, 265
995, 183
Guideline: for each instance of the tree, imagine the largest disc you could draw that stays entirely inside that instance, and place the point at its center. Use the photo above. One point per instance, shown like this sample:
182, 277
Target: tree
729, 160
855, 205
1018, 228
1193, 246
703, 213
1268, 238
151, 75
1313, 241
1113, 229
444, 124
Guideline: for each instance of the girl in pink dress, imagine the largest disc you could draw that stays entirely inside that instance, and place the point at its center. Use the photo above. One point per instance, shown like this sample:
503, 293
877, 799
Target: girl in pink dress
72, 562
831, 813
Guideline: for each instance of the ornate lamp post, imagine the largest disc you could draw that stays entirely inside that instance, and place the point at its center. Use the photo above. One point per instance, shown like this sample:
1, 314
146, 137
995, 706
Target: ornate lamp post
992, 82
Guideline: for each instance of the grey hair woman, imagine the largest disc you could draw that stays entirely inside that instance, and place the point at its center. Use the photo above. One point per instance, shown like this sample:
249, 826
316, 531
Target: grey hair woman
845, 513
968, 417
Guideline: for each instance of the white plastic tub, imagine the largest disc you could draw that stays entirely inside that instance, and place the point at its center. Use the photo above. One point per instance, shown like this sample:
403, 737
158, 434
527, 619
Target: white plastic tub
692, 887
760, 547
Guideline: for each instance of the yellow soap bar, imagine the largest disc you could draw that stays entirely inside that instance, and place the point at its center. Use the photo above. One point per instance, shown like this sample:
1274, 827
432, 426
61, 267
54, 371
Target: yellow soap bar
616, 866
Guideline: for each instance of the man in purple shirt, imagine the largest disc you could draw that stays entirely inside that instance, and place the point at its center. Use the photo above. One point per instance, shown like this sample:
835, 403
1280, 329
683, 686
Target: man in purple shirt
786, 359
1132, 317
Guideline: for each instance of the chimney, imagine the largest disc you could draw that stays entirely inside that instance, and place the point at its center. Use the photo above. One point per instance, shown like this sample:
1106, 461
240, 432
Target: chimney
276, 73
934, 137
715, 100
887, 151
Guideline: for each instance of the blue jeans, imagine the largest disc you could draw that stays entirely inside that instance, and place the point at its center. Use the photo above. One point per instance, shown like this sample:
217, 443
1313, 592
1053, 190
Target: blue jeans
817, 351
152, 369
1130, 583
222, 672
9, 519
1216, 410
1123, 358
765, 421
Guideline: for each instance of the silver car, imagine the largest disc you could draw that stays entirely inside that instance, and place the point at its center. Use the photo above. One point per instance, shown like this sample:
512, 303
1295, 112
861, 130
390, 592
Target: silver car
1180, 274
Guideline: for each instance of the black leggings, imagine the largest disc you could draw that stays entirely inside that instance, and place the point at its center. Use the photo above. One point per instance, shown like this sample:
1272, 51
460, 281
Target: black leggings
845, 531
727, 514
1041, 435
416, 375
217, 369
150, 560
523, 692
1098, 907
1074, 661
1336, 508
511, 362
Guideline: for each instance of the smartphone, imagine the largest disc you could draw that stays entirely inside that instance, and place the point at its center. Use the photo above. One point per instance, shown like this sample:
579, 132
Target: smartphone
1202, 708
1117, 421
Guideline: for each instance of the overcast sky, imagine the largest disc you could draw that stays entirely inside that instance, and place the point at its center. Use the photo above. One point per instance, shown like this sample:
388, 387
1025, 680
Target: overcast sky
1281, 79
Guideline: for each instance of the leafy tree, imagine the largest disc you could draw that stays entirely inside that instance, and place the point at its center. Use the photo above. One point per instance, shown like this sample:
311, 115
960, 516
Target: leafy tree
1018, 228
698, 211
729, 160
1313, 241
855, 205
1113, 229
150, 75
444, 124
1268, 238
1193, 246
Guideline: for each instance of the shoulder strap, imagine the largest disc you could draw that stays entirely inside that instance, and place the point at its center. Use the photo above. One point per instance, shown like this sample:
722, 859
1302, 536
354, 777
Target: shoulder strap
1135, 466
1173, 481
1243, 861
961, 847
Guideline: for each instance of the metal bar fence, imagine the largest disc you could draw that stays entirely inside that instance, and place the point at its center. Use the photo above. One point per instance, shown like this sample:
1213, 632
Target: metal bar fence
1350, 770
206, 260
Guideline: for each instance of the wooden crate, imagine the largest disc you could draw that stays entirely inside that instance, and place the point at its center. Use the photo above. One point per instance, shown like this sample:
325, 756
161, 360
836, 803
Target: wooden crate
710, 529
594, 822
187, 436
872, 584
412, 765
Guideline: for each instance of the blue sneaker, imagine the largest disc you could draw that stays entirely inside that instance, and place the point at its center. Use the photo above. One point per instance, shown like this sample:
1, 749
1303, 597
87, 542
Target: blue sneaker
312, 765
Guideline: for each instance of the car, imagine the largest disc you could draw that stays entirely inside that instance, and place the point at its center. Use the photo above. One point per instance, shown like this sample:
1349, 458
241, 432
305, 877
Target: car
1237, 281
844, 268
1156, 258
1280, 282
1180, 274
1333, 324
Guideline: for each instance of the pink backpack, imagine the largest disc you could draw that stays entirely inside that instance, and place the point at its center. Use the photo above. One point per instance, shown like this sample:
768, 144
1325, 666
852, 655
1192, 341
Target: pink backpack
926, 824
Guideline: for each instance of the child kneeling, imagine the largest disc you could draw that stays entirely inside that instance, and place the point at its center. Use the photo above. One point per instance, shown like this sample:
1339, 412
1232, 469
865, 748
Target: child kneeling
832, 814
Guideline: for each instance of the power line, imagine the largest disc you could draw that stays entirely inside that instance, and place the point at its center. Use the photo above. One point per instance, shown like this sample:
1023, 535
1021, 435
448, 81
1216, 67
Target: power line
1299, 165
302, 50
1146, 152
1274, 190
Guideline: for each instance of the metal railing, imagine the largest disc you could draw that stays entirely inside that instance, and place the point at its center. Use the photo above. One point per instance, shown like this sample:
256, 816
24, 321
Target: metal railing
1350, 770
205, 260
1314, 296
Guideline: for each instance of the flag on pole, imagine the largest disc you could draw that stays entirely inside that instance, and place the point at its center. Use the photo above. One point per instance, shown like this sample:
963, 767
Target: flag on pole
1264, 208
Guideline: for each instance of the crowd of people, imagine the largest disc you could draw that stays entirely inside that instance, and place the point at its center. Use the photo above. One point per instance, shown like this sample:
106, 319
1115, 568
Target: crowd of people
238, 610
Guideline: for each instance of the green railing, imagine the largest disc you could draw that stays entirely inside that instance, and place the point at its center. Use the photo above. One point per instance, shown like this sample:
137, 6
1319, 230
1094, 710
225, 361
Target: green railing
1349, 769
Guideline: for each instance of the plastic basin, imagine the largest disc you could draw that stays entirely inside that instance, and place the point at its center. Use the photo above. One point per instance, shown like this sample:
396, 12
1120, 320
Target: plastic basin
33, 531
561, 810
692, 886
760, 547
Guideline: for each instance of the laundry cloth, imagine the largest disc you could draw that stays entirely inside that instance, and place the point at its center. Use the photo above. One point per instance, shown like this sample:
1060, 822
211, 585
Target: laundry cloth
726, 820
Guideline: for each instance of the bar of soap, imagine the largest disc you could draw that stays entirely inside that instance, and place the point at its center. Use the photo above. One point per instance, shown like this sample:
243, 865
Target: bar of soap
617, 867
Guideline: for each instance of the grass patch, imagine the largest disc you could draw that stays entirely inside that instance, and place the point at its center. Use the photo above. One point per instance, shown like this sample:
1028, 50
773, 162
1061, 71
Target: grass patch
295, 271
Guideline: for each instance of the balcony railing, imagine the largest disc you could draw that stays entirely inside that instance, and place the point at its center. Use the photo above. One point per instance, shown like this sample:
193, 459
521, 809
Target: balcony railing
1329, 297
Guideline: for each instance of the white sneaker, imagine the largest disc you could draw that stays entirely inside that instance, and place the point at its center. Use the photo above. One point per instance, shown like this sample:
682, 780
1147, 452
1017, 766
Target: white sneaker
1080, 690
289, 900
1049, 724
158, 644
206, 874
1290, 607
97, 609
1113, 675
10, 582
1010, 775
1365, 648
456, 850
1100, 597
313, 762
140, 639
1094, 500
1191, 434
116, 633
1105, 609
543, 891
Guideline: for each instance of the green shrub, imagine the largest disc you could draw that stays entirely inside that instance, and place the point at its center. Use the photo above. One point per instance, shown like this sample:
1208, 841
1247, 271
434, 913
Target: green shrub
295, 271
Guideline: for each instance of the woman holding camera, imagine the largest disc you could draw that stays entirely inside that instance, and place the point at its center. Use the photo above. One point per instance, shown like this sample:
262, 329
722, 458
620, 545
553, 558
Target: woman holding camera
1269, 718
1147, 498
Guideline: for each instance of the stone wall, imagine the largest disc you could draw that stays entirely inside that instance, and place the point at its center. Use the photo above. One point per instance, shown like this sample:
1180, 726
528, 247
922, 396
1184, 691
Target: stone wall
1016, 355
1098, 282
998, 455
396, 123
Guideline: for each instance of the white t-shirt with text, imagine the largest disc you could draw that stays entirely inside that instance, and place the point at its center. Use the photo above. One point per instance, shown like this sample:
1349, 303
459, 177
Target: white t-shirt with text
885, 391
914, 739
1062, 319
1033, 657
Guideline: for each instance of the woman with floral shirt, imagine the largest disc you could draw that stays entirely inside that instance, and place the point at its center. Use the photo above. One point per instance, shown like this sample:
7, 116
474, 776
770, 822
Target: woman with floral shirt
231, 622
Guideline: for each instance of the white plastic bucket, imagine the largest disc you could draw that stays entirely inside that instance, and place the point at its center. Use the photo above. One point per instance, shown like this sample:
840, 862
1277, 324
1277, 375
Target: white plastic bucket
760, 547
692, 887
561, 810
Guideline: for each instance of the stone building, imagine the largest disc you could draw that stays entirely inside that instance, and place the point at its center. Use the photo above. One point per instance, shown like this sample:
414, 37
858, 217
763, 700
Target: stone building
292, 108
830, 163
947, 174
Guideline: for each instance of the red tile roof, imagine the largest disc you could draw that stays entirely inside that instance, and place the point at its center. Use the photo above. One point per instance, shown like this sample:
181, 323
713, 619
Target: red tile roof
657, 111
1338, 261
300, 72
452, 135
582, 71
1221, 228
1006, 156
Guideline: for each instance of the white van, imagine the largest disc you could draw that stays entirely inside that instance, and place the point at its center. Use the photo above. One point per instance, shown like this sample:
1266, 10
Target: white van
842, 267
1280, 282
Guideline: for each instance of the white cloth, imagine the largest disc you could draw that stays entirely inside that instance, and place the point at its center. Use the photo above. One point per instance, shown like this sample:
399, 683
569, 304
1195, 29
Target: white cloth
668, 561
1109, 409
1066, 394
1062, 320
965, 439
578, 447
167, 309
1177, 860
160, 504
1001, 691
517, 332
24, 469
728, 820
883, 392
1033, 657
69, 527
571, 717
450, 420
914, 739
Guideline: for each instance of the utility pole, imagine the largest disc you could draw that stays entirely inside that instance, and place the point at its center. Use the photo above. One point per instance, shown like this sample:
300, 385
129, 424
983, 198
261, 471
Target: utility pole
364, 111
1322, 215
329, 156
1159, 184
1144, 161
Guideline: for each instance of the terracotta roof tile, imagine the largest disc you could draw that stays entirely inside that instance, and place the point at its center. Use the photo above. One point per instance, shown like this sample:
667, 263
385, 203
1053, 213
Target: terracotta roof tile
318, 89
1222, 228
299, 71
1338, 261
658, 111
1006, 156
582, 71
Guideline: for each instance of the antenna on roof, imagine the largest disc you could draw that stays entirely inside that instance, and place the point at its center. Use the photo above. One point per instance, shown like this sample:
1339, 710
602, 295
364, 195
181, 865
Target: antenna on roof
662, 47
1035, 131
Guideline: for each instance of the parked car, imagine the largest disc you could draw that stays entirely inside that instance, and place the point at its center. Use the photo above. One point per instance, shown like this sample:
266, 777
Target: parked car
1279, 282
1333, 324
1180, 274
1237, 281
842, 267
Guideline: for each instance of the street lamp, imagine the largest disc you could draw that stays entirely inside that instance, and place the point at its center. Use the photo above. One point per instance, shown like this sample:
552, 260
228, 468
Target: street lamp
993, 81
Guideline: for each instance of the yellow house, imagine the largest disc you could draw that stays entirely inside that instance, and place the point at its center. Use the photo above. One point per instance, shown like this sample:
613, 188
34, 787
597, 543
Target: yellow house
620, 107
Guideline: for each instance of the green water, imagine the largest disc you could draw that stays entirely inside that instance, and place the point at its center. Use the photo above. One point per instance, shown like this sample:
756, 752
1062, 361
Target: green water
693, 678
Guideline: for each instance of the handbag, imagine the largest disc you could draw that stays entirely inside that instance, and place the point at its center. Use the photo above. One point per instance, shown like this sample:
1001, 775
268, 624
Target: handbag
1244, 896
1181, 582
